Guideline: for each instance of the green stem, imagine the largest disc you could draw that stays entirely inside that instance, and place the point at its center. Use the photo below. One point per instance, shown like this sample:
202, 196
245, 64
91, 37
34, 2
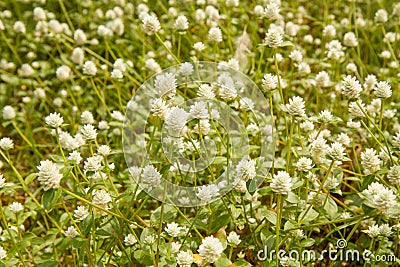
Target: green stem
278, 224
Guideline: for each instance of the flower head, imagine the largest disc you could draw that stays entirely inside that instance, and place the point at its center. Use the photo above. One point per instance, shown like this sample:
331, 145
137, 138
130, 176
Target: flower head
281, 183
49, 174
210, 249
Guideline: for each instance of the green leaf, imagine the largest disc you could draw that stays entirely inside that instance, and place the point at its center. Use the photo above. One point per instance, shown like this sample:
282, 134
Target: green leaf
292, 198
78, 242
331, 208
367, 181
289, 225
270, 216
265, 191
242, 264
222, 262
220, 222
50, 263
307, 242
219, 160
50, 198
87, 225
30, 178
143, 257
309, 216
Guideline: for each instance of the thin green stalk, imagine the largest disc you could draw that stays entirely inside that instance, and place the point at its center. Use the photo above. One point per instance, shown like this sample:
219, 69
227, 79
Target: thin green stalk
289, 147
99, 95
279, 205
3, 218
319, 190
167, 48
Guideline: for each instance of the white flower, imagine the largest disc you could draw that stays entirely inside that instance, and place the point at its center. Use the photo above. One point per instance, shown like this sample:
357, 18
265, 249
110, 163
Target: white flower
186, 69
296, 56
160, 108
130, 240
325, 116
181, 23
336, 151
379, 197
246, 169
381, 16
304, 164
152, 65
63, 72
329, 31
271, 11
49, 174
273, 38
16, 207
335, 50
199, 111
104, 150
89, 68
296, 106
117, 115
350, 39
344, 139
394, 175
174, 230
207, 192
77, 56
175, 121
54, 120
3, 253
351, 87
101, 198
206, 91
88, 132
80, 37
215, 35
370, 161
199, 46
81, 213
87, 117
103, 125
165, 84
281, 183
27, 70
71, 232
322, 79
385, 230
92, 164
2, 181
210, 249
307, 125
19, 27
185, 258
373, 231
269, 82
8, 113
150, 176
151, 25
233, 239
355, 111
39, 14
6, 143
383, 90
175, 247
117, 74
304, 68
